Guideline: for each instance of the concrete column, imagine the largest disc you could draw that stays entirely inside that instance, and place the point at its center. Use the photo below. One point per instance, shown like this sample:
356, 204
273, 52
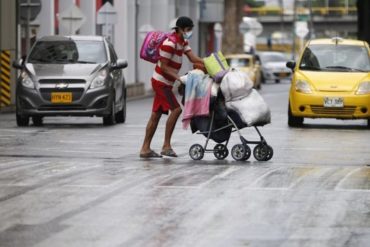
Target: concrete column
125, 36
8, 39
88, 8
63, 6
45, 19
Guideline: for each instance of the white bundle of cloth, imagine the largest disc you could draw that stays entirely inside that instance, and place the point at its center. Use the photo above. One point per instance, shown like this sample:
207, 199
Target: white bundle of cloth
241, 97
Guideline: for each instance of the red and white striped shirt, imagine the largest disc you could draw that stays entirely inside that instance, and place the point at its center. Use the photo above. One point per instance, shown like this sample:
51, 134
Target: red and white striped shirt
172, 52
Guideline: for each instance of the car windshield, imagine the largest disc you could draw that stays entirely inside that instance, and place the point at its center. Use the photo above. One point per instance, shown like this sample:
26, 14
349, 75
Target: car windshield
348, 58
273, 58
238, 62
68, 51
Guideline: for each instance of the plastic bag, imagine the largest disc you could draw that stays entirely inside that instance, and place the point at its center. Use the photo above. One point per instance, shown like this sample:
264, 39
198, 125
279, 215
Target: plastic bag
236, 84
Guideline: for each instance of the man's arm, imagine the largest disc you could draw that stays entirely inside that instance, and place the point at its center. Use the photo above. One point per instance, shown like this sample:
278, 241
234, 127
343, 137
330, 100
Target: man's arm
168, 70
194, 58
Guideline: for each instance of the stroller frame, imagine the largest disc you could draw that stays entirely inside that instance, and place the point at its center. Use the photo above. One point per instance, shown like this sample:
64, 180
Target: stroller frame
240, 152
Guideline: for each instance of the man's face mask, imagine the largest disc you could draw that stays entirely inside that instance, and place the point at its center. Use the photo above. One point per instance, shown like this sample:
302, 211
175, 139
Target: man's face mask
187, 35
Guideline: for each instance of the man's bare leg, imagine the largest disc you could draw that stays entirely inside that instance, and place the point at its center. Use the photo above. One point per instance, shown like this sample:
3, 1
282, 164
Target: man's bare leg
170, 126
151, 127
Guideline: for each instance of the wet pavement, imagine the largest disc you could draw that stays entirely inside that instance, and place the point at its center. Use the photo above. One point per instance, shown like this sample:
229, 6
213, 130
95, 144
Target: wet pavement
74, 182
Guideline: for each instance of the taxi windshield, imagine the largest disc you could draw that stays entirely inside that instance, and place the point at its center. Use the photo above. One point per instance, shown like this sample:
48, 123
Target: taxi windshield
68, 51
343, 58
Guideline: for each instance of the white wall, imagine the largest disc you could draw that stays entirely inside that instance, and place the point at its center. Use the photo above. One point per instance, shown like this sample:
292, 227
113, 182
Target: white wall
63, 6
88, 8
158, 14
45, 19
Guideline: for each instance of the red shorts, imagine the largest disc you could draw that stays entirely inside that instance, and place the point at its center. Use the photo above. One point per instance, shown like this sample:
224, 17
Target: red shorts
164, 98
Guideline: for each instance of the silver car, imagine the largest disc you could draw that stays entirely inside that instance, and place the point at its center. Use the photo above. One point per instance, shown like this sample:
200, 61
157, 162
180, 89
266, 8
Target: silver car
273, 66
71, 76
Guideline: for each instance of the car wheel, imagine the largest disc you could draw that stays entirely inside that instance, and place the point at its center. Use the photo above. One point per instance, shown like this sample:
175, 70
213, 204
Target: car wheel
368, 123
294, 121
109, 120
277, 81
121, 115
37, 120
263, 80
22, 121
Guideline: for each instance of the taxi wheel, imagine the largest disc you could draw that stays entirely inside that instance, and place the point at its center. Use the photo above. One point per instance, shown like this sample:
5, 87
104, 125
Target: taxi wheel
263, 80
294, 121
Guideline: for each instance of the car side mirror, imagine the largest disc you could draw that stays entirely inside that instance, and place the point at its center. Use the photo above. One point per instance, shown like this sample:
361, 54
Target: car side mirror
258, 62
121, 64
291, 65
19, 64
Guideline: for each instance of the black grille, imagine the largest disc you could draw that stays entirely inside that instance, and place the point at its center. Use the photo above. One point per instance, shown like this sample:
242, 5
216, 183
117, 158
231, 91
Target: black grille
76, 92
57, 81
347, 110
62, 108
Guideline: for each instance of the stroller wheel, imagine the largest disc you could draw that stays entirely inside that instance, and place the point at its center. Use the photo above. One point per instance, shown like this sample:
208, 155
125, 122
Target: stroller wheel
220, 151
270, 153
261, 152
196, 152
248, 152
238, 152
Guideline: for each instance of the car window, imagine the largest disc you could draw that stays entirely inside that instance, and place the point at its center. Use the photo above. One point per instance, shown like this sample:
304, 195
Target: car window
335, 57
68, 51
238, 62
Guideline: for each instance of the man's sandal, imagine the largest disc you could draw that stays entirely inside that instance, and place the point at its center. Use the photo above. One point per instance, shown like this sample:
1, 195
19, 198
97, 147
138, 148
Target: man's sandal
151, 154
169, 152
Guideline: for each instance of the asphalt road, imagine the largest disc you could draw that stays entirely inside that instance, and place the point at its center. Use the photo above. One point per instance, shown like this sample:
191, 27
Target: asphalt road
74, 182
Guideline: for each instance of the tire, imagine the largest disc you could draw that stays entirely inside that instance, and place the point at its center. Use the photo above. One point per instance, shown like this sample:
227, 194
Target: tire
294, 121
109, 120
248, 152
220, 151
277, 81
37, 121
270, 153
368, 123
22, 121
121, 115
261, 152
263, 80
196, 152
238, 152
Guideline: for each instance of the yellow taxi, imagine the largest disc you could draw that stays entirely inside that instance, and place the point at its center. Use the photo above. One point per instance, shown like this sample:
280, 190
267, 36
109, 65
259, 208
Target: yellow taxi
248, 64
330, 80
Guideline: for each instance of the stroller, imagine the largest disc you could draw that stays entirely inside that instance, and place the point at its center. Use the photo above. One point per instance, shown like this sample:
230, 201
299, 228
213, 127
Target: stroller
219, 126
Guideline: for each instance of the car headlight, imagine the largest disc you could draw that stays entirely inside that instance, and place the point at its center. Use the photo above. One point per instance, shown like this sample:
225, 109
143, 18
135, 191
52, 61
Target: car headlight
99, 80
363, 88
27, 81
302, 87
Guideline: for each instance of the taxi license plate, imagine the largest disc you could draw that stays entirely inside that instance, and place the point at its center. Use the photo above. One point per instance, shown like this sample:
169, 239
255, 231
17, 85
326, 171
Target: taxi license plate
281, 75
61, 97
333, 102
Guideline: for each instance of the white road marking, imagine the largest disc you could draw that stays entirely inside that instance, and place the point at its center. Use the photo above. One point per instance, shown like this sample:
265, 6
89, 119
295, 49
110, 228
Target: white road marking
223, 174
260, 178
339, 185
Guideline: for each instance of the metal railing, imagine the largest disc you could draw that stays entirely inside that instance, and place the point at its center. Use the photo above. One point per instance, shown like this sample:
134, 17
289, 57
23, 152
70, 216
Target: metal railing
322, 11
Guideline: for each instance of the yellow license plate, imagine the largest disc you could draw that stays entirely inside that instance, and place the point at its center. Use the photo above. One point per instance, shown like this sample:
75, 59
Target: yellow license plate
61, 97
